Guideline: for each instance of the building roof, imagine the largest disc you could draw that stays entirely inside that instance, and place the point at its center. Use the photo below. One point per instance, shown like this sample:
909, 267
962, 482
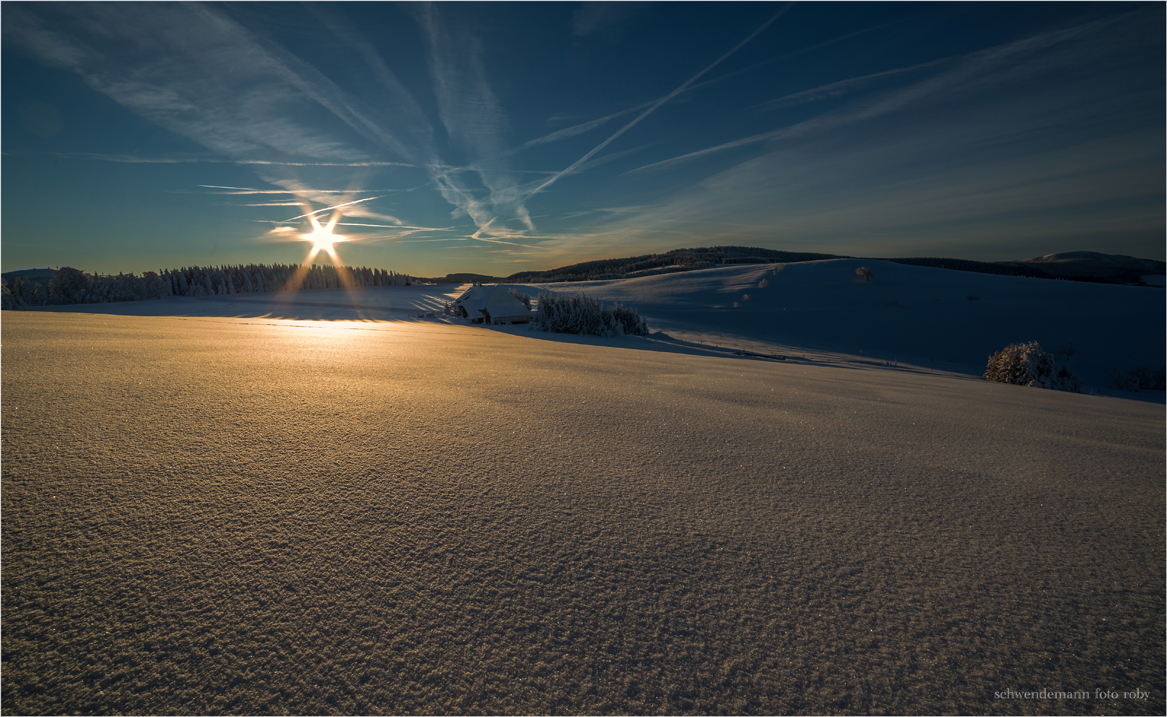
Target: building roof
472, 292
502, 303
495, 300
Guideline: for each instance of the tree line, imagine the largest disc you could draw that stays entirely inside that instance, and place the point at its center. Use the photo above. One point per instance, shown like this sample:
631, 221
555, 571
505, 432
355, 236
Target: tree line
72, 286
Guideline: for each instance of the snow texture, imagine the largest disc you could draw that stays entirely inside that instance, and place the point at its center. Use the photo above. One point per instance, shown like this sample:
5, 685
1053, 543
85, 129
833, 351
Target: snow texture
243, 514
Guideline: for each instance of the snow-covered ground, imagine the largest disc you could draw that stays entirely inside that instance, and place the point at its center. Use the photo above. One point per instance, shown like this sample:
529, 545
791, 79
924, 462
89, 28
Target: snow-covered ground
237, 507
933, 318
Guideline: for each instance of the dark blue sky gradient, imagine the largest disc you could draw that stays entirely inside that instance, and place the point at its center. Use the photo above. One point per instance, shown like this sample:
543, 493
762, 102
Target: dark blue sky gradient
497, 137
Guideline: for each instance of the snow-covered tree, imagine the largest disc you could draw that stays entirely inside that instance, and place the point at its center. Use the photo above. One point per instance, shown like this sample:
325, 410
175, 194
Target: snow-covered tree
1028, 365
68, 286
585, 315
7, 300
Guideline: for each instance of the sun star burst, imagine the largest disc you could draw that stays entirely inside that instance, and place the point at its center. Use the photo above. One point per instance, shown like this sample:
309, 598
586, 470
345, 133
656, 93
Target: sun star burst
322, 238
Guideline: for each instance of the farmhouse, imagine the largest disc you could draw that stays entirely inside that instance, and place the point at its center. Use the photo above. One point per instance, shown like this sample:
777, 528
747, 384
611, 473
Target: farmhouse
491, 305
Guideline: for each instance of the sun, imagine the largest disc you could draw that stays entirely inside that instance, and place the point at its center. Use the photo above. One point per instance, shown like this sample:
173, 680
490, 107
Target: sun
322, 237
323, 240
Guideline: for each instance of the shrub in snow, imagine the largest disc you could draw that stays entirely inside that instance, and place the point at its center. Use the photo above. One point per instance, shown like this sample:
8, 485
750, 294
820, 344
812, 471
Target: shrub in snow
1028, 365
864, 273
584, 315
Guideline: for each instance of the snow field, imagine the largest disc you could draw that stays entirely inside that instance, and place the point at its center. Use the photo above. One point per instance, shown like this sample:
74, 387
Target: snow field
934, 318
226, 515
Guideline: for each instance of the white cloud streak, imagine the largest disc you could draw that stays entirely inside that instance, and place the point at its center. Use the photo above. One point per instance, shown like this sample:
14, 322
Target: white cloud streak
967, 72
133, 159
475, 122
195, 71
336, 206
576, 165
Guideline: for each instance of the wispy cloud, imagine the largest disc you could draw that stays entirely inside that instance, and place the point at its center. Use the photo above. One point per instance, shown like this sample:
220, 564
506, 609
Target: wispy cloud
335, 206
592, 17
264, 204
196, 71
964, 74
475, 122
584, 127
135, 159
842, 87
321, 134
576, 165
314, 190
990, 148
580, 128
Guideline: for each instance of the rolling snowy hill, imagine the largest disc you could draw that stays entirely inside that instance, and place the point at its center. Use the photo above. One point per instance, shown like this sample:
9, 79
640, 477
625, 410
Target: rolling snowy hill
949, 320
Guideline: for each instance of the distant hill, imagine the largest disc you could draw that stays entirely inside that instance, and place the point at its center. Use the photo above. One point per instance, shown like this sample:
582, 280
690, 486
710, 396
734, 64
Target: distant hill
38, 274
1093, 266
1075, 266
463, 278
977, 267
1089, 266
676, 260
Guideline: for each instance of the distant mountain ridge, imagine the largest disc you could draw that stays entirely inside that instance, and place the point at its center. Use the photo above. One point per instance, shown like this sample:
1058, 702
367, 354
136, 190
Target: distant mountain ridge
1093, 266
1076, 266
36, 273
675, 260
462, 278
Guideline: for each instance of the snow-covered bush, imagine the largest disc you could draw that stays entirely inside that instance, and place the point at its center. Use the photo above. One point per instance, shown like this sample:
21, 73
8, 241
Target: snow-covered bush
864, 273
1028, 365
584, 315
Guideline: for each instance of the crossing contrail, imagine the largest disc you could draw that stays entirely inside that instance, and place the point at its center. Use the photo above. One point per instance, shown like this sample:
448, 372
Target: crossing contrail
338, 206
658, 103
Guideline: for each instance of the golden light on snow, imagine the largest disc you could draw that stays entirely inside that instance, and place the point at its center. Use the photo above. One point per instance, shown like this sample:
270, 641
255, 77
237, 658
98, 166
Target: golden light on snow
634, 524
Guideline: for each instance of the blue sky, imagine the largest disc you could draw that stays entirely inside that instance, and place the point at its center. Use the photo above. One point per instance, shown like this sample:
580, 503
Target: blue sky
497, 137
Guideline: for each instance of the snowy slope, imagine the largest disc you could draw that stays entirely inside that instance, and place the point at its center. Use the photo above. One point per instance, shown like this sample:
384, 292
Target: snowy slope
931, 317
255, 516
920, 316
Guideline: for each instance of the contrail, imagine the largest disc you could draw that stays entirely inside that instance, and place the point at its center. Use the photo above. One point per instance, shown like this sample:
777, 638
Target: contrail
338, 206
659, 102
